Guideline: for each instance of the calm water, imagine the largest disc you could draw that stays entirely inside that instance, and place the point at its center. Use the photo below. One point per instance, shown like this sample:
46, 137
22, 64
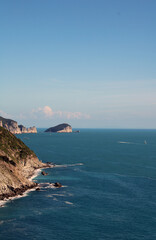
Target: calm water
111, 196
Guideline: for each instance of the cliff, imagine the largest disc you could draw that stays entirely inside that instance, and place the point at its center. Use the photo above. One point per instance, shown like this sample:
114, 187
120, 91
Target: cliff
14, 128
17, 165
64, 127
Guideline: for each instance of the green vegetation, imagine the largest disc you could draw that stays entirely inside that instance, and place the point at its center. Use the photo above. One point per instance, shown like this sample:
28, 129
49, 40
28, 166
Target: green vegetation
13, 147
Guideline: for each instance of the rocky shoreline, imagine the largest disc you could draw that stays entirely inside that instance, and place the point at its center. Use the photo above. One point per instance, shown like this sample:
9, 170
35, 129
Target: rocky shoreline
19, 192
18, 166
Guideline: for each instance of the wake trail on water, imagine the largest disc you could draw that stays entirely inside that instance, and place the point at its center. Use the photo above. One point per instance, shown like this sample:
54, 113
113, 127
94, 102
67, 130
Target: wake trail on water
69, 165
125, 142
134, 143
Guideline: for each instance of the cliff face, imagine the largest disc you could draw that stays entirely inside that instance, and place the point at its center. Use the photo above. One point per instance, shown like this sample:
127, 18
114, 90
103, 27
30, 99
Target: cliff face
17, 164
27, 130
14, 128
64, 127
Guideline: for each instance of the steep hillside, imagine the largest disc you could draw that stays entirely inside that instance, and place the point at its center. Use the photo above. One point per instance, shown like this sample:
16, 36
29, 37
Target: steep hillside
17, 165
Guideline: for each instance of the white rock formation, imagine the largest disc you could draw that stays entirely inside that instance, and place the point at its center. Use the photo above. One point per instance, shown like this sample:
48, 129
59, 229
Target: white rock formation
14, 128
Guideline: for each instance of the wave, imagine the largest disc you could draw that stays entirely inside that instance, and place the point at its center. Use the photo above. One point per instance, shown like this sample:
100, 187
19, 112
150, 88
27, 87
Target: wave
36, 173
67, 202
48, 185
57, 194
3, 202
25, 194
7, 221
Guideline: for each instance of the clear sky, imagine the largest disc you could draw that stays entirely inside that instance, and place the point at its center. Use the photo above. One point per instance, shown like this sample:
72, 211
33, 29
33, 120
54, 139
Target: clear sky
90, 63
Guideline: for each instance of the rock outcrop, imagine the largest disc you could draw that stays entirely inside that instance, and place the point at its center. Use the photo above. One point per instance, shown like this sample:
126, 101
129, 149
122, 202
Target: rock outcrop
61, 128
44, 173
14, 128
57, 184
27, 130
17, 165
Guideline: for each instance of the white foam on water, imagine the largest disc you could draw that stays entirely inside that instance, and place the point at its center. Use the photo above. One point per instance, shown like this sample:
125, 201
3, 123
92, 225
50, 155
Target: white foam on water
6, 221
57, 194
50, 186
3, 202
55, 199
25, 194
70, 203
36, 173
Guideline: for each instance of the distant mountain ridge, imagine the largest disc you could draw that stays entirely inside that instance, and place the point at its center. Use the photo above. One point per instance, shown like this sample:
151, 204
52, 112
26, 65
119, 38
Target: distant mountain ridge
64, 127
14, 128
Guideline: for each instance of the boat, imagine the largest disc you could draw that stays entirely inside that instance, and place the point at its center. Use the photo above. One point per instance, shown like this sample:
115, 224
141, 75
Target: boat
145, 142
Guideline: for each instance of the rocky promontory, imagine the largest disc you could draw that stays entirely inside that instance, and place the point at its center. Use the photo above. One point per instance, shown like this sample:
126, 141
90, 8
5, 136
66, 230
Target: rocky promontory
14, 128
61, 128
17, 165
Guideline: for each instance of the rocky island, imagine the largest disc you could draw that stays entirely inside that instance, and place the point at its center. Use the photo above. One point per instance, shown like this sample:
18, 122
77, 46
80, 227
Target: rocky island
61, 128
14, 128
17, 165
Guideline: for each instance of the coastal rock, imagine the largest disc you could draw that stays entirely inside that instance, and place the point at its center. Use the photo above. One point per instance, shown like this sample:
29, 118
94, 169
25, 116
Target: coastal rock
61, 128
57, 184
22, 129
32, 130
44, 173
17, 165
14, 128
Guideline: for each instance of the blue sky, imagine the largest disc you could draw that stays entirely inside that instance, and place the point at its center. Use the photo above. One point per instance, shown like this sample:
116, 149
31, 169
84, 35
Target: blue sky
85, 62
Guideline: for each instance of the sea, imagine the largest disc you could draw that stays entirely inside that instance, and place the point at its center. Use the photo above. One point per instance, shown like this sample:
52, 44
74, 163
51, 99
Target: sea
108, 191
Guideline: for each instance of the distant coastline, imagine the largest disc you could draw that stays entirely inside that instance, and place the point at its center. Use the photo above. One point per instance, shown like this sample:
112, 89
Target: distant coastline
14, 128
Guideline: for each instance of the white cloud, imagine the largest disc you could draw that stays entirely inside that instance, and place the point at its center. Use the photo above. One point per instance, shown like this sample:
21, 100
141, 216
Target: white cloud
47, 112
76, 115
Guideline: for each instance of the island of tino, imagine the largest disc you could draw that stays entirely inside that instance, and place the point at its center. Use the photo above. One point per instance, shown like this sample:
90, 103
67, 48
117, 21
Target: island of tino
61, 128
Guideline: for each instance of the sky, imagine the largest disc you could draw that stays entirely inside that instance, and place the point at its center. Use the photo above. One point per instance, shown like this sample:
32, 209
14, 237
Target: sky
89, 63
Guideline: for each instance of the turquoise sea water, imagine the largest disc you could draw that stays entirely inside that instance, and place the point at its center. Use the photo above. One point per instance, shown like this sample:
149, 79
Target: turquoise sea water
108, 193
